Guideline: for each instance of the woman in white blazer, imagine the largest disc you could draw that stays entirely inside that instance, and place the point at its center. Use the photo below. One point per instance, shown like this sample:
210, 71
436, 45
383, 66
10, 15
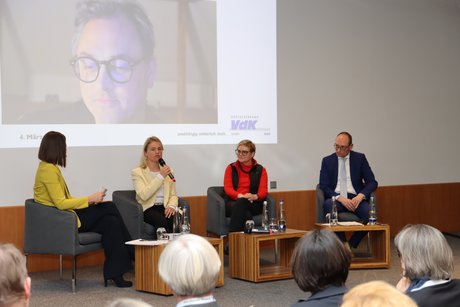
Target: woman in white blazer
155, 190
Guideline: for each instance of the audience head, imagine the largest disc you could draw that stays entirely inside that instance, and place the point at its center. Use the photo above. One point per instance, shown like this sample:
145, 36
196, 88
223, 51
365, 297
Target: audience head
14, 282
153, 147
190, 265
424, 253
53, 148
113, 59
245, 151
128, 302
320, 260
343, 144
376, 294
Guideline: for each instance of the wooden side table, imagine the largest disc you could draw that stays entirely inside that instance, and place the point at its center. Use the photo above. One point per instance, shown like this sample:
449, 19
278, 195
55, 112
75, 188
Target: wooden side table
379, 237
244, 257
147, 256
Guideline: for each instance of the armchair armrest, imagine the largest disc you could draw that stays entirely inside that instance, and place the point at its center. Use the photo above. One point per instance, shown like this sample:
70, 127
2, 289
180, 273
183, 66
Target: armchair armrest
48, 230
130, 211
271, 205
216, 211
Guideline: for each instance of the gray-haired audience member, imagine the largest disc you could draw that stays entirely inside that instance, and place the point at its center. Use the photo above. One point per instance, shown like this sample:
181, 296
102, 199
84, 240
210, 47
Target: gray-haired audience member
14, 282
113, 59
427, 266
320, 264
190, 266
376, 294
128, 302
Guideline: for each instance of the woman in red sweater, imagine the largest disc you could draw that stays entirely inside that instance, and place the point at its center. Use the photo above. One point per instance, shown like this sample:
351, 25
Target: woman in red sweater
245, 184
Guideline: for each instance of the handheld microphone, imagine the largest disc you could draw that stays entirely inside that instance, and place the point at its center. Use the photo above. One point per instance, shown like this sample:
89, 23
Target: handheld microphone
163, 163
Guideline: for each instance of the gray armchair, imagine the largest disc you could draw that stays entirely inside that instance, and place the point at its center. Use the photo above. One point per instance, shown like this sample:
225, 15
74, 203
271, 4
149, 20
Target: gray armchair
49, 230
218, 222
343, 216
133, 215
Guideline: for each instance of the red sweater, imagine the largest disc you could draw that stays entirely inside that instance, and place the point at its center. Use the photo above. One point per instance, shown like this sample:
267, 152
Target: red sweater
243, 181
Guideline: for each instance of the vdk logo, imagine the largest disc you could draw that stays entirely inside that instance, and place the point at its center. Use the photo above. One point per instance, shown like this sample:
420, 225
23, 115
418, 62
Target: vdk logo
243, 124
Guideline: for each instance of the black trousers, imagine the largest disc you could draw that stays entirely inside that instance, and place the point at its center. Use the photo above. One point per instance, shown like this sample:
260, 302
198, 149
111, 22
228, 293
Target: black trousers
105, 219
155, 216
240, 211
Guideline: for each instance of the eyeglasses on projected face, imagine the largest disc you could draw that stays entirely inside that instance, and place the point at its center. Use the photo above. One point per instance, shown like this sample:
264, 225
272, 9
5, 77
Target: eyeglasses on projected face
119, 70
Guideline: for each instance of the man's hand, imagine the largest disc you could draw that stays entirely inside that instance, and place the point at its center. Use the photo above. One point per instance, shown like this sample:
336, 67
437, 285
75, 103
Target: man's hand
348, 203
357, 200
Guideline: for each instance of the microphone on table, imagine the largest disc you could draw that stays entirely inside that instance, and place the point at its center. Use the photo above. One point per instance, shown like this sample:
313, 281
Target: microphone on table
163, 163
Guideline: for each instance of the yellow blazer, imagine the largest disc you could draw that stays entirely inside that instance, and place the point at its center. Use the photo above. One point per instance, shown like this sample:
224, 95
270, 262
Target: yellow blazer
50, 189
146, 188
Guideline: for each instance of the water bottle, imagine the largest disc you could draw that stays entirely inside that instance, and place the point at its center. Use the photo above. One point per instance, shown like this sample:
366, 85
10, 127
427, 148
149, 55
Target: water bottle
372, 212
176, 222
185, 227
282, 219
334, 214
265, 220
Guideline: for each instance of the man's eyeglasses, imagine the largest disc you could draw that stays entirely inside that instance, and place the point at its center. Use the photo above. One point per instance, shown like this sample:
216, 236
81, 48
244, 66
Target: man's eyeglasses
87, 69
241, 152
338, 147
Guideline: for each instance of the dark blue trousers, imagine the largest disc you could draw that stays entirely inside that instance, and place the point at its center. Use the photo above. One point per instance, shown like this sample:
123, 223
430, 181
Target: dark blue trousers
362, 212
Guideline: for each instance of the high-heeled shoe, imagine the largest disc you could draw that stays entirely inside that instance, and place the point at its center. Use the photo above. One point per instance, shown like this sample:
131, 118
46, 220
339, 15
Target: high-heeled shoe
119, 282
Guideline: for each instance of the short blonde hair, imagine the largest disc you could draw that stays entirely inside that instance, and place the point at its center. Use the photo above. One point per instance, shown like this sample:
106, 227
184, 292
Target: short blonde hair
376, 294
190, 265
249, 144
143, 163
425, 252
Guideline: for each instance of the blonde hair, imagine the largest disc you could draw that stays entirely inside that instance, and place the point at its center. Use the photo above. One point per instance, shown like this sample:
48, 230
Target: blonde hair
249, 144
143, 162
190, 265
376, 294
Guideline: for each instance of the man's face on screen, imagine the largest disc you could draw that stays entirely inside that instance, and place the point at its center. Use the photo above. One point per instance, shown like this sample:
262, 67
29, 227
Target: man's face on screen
109, 101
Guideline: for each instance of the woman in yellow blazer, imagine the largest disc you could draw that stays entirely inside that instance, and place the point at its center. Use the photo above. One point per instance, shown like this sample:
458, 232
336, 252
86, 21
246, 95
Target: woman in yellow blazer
93, 214
155, 190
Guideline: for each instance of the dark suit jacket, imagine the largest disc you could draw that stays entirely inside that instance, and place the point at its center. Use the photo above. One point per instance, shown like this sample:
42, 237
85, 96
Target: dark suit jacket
362, 177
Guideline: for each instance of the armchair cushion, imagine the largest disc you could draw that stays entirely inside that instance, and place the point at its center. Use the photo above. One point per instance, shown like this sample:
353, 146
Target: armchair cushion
218, 222
133, 215
321, 216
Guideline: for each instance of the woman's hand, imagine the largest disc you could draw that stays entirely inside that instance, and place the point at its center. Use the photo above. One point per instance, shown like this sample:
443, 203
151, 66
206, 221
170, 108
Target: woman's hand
165, 170
96, 198
169, 211
252, 197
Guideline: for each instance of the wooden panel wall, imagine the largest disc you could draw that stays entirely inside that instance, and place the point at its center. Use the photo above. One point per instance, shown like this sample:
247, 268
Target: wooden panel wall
433, 204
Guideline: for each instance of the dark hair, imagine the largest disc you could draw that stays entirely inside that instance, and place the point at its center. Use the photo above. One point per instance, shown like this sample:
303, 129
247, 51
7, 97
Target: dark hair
53, 148
350, 138
320, 260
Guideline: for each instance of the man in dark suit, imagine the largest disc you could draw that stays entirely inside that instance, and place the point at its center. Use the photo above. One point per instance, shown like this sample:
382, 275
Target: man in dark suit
347, 176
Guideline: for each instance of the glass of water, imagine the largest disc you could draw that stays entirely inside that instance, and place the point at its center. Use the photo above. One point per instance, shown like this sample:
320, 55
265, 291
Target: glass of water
161, 234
